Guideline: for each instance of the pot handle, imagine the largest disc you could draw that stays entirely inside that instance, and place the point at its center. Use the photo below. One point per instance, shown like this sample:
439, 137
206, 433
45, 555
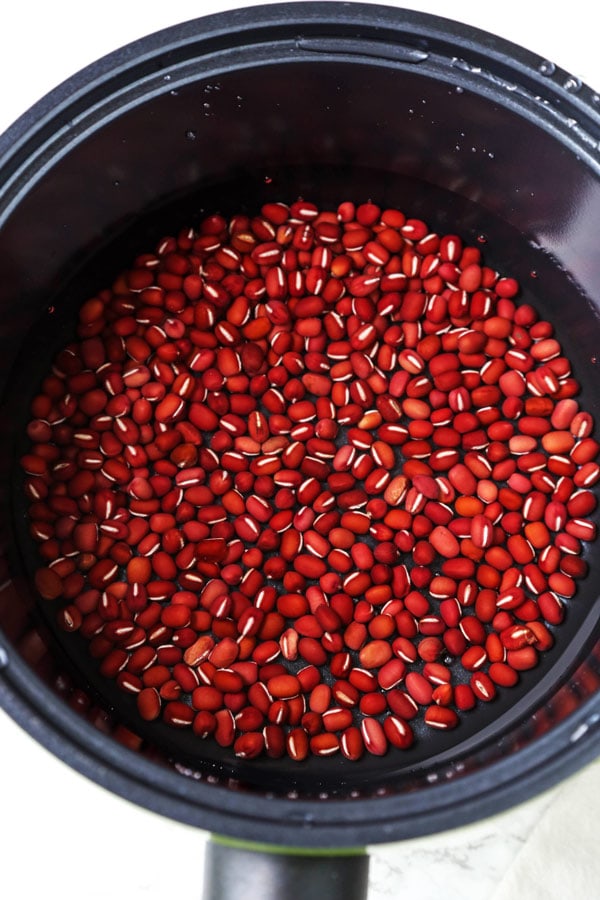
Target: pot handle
235, 869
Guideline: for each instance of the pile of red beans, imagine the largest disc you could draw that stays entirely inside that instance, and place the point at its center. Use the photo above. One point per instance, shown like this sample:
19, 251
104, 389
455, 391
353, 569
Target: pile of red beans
305, 475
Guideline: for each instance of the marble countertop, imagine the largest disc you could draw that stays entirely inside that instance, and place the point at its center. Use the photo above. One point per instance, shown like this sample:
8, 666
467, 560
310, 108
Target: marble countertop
64, 837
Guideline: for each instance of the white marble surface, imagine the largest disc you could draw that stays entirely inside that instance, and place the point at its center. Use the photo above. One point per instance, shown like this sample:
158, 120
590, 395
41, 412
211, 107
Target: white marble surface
541, 850
62, 836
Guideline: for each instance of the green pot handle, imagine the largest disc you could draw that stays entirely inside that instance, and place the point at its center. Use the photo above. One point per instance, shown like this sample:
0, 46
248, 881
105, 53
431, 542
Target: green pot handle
239, 870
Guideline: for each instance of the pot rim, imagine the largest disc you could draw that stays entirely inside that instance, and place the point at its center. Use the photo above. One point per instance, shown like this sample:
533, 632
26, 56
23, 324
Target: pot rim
476, 59
331, 822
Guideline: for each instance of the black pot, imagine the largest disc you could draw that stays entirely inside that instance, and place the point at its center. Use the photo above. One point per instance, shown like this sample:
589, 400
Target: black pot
325, 101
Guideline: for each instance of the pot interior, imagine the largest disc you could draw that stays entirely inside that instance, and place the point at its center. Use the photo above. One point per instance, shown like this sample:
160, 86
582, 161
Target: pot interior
150, 151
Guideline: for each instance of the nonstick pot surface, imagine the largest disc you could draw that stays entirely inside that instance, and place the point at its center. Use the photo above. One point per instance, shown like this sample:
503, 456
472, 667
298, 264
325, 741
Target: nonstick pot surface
508, 251
527, 238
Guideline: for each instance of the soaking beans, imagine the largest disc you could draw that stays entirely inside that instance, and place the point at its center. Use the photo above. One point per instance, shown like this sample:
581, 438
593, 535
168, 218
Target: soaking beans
305, 476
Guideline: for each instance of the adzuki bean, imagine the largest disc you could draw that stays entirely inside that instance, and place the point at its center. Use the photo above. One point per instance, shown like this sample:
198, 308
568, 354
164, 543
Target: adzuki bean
302, 477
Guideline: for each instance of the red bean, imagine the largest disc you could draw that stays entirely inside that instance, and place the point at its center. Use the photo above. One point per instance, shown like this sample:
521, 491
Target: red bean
406, 459
225, 728
249, 745
284, 686
440, 717
351, 743
374, 736
464, 697
418, 688
148, 703
398, 732
482, 686
48, 584
503, 674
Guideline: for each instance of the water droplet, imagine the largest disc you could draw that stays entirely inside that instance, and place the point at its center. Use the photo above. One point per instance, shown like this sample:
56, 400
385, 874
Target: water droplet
579, 732
173, 93
465, 66
533, 274
546, 67
491, 155
166, 77
191, 135
595, 98
458, 89
3, 658
482, 239
268, 179
51, 309
572, 84
116, 183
